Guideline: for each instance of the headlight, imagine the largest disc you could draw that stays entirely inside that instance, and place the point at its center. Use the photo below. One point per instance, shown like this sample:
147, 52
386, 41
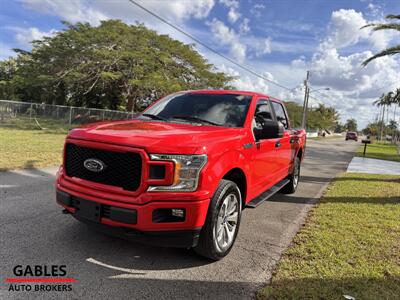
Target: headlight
186, 174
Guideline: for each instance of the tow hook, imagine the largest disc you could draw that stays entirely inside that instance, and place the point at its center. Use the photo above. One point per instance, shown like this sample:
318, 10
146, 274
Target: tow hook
66, 211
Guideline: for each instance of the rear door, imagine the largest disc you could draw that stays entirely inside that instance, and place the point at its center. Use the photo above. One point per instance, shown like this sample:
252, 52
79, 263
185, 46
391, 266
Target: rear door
284, 144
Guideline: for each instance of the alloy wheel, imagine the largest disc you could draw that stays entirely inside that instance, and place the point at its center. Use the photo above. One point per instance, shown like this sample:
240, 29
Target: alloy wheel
226, 223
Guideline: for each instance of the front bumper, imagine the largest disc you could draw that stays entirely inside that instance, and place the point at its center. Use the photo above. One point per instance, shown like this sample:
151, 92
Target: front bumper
177, 239
136, 222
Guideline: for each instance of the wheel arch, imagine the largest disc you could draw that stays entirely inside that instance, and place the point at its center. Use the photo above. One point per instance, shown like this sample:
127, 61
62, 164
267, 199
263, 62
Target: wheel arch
238, 176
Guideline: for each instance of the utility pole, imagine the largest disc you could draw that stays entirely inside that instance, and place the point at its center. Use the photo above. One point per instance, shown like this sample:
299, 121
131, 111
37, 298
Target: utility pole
305, 104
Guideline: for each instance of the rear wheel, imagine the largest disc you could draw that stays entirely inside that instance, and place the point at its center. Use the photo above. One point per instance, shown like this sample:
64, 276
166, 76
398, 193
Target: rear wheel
294, 179
222, 223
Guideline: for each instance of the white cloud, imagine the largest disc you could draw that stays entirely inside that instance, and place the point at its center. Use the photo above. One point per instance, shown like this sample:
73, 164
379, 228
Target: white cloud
227, 36
257, 9
230, 3
375, 10
72, 10
353, 87
233, 15
247, 83
262, 47
299, 62
24, 36
381, 39
95, 11
5, 51
244, 27
345, 29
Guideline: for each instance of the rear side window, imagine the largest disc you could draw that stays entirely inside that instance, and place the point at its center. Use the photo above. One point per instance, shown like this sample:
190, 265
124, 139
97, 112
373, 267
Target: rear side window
280, 114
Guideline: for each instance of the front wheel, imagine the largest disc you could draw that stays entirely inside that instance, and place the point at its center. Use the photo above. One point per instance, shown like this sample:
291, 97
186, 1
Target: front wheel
222, 223
294, 178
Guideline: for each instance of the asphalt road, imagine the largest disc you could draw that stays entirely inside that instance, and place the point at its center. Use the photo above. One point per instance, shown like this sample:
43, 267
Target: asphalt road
34, 232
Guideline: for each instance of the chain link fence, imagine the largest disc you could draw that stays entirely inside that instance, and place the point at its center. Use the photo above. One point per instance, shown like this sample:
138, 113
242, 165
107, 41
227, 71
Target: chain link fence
23, 114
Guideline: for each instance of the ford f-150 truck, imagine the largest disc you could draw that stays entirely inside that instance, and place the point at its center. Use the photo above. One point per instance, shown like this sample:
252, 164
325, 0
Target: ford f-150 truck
182, 172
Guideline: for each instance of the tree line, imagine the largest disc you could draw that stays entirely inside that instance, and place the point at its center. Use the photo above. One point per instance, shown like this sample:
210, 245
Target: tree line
113, 66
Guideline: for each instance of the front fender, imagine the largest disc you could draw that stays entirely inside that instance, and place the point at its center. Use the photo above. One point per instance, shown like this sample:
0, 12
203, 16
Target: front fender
219, 165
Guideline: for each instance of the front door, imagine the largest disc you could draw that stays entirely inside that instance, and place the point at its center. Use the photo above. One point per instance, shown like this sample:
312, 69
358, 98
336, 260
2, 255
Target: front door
265, 165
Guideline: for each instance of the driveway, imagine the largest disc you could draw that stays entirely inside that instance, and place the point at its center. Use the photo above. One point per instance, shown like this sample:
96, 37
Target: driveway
34, 232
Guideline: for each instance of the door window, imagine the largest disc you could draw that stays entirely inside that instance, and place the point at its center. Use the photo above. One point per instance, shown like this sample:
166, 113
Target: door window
280, 114
263, 112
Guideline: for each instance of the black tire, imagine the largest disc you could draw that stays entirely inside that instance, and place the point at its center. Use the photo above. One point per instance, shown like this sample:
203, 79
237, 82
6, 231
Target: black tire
291, 187
208, 244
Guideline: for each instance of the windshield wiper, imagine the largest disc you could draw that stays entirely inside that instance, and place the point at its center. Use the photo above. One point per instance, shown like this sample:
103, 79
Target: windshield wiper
154, 117
195, 119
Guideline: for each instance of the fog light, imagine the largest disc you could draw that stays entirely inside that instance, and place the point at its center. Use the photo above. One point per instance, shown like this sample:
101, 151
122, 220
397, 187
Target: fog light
167, 215
177, 212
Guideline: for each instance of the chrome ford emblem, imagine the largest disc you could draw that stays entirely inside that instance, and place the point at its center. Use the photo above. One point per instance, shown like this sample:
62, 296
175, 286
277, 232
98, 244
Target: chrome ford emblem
94, 165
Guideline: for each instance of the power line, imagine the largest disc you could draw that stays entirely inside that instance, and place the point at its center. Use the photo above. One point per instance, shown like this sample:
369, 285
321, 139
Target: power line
316, 99
243, 67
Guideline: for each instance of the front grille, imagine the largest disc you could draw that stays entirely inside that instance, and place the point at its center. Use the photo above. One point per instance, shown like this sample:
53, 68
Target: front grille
122, 169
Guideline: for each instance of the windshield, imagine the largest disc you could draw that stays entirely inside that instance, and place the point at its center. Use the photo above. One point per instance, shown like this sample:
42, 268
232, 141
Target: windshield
227, 110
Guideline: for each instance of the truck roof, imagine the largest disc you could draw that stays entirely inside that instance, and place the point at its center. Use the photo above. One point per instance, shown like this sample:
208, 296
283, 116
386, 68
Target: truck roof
232, 92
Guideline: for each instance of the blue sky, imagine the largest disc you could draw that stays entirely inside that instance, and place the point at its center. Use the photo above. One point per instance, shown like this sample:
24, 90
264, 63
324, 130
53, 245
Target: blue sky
280, 39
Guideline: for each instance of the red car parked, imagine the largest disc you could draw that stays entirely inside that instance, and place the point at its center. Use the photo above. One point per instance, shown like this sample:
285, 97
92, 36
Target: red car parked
182, 172
352, 136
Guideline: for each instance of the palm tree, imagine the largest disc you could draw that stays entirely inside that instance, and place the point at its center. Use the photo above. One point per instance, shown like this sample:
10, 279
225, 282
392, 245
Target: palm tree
396, 102
384, 101
351, 125
381, 26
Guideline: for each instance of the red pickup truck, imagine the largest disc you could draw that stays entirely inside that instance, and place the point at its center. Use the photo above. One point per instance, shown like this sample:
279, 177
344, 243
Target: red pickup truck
182, 172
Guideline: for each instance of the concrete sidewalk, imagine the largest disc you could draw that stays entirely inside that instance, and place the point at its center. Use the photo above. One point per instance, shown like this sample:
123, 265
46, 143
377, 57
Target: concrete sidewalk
373, 166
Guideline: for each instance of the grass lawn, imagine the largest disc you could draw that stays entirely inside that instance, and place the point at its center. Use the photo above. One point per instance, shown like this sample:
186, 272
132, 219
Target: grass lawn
30, 148
350, 244
380, 151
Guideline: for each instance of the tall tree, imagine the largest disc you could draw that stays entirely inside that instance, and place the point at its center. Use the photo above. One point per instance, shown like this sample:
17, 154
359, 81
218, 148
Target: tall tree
113, 65
322, 117
385, 26
351, 125
385, 101
327, 117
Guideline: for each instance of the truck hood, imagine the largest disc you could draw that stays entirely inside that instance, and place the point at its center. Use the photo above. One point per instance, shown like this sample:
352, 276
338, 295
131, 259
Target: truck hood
158, 137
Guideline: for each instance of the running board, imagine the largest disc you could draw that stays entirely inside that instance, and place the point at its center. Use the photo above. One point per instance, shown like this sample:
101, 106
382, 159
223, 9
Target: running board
267, 194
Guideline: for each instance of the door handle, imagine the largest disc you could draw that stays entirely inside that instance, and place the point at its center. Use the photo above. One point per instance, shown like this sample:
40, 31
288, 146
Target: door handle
277, 144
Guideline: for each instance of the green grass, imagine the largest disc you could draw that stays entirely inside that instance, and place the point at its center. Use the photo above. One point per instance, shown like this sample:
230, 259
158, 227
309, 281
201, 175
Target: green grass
380, 151
46, 124
30, 148
350, 244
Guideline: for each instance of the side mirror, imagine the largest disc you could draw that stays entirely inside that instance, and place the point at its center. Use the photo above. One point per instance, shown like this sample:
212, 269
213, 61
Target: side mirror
269, 130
